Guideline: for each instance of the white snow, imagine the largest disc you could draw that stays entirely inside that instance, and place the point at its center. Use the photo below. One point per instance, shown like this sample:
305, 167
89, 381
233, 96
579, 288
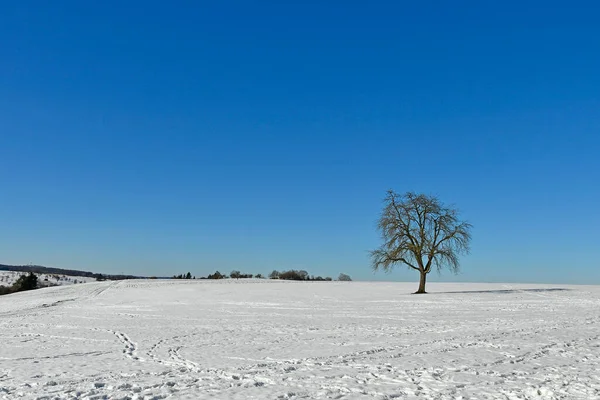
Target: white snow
257, 339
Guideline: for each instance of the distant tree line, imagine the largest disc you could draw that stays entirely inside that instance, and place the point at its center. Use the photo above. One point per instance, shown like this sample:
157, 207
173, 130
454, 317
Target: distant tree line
301, 275
25, 282
184, 276
238, 275
294, 275
38, 269
291, 275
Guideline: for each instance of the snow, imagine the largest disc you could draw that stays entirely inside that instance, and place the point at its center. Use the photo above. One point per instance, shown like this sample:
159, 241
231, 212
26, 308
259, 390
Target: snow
259, 339
8, 278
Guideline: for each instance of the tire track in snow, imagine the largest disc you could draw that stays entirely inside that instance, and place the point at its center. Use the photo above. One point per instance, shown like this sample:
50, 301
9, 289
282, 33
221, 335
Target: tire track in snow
97, 292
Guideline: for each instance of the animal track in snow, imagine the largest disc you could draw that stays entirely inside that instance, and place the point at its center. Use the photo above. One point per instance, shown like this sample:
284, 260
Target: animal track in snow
130, 350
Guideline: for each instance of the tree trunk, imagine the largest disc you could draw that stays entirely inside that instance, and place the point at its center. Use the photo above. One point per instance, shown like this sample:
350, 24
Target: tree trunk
422, 283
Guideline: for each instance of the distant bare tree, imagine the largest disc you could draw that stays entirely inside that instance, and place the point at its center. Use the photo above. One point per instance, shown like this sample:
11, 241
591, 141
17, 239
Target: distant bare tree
420, 232
344, 278
274, 275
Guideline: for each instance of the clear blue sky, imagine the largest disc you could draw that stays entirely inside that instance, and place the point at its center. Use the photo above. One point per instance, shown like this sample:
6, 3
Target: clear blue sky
164, 137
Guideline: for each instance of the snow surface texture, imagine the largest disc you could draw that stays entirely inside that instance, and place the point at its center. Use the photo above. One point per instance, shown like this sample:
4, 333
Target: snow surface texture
253, 339
8, 278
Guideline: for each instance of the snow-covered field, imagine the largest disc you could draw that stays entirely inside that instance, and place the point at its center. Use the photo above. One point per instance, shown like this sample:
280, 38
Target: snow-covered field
8, 278
252, 339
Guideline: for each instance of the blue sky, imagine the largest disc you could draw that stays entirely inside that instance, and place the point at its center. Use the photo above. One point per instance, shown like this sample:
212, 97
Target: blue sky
158, 138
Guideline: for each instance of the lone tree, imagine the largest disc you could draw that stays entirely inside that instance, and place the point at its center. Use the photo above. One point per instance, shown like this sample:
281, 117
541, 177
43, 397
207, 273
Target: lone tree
420, 232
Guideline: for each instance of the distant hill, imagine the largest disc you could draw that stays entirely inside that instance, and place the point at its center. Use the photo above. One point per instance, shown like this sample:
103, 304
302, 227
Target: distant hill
38, 269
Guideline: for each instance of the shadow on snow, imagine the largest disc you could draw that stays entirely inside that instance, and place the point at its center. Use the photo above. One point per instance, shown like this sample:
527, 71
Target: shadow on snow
508, 291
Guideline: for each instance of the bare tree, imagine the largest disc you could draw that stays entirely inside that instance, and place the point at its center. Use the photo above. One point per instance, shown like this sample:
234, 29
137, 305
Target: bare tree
344, 278
274, 275
420, 232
